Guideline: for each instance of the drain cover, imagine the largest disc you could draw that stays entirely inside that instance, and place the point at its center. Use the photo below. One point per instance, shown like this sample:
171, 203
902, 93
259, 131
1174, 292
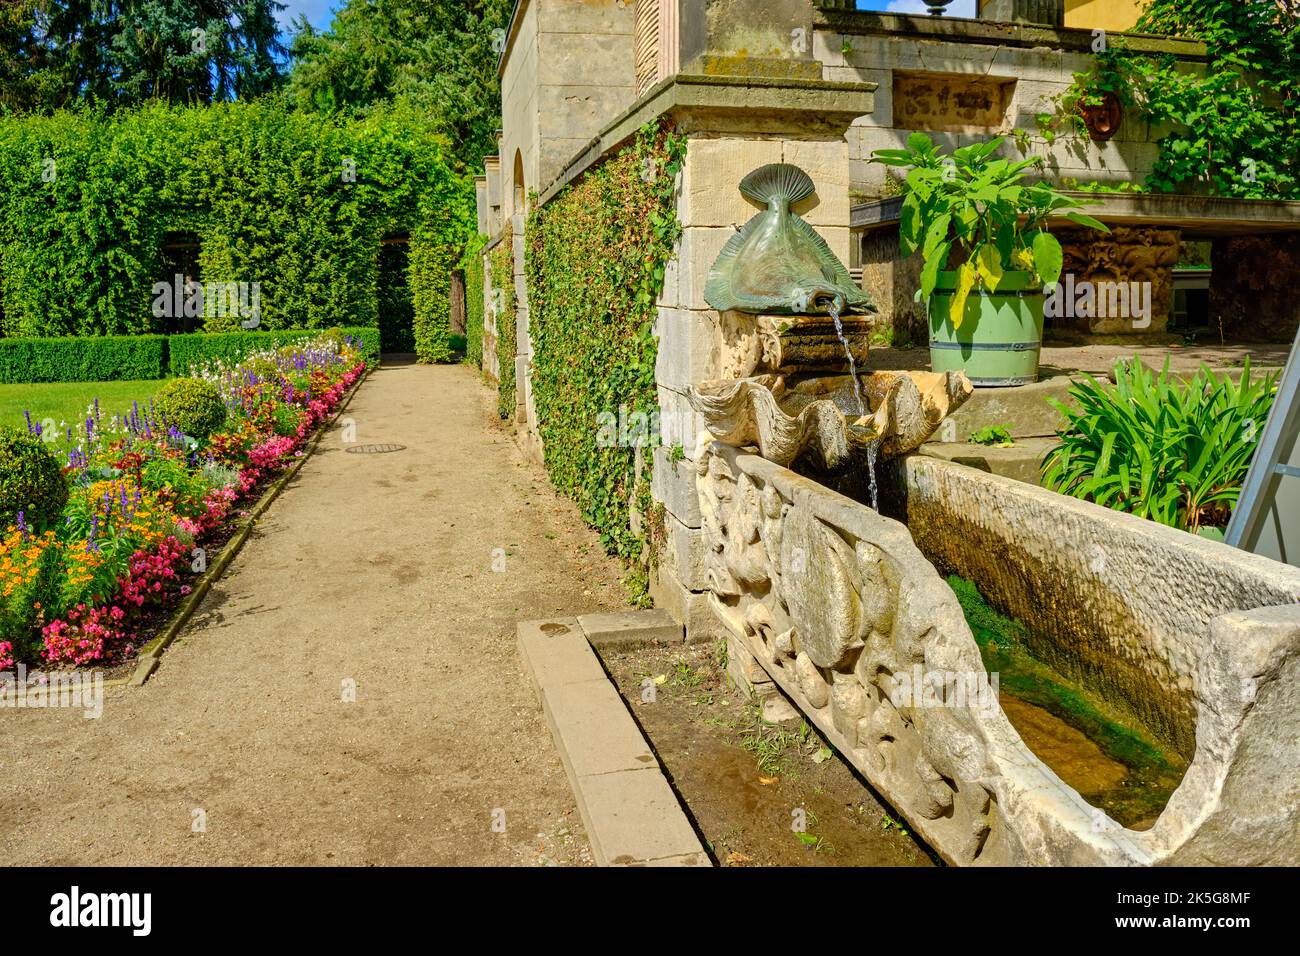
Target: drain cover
373, 449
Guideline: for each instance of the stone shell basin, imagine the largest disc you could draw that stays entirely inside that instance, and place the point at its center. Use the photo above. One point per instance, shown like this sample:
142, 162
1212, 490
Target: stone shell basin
817, 417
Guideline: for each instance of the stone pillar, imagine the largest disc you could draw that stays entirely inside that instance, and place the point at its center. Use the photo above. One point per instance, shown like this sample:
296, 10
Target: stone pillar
492, 176
1048, 12
731, 130
491, 360
481, 204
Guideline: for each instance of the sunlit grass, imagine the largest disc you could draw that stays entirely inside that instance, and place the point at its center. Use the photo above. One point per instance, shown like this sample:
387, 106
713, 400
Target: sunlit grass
65, 403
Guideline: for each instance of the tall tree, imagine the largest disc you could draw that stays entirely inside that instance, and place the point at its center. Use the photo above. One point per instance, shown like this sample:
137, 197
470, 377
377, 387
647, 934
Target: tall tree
125, 52
440, 54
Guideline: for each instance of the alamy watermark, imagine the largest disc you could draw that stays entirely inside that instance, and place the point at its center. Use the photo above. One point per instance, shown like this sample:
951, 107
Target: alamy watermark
628, 428
209, 300
1087, 299
939, 688
73, 689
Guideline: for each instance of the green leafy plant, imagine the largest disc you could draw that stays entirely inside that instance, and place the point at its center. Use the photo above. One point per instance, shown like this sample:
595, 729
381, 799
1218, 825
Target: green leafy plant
105, 358
977, 208
192, 405
996, 436
596, 256
1234, 126
471, 265
1172, 451
501, 274
297, 202
31, 481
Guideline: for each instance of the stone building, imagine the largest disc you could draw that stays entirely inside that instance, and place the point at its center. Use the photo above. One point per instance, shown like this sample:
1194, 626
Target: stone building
820, 84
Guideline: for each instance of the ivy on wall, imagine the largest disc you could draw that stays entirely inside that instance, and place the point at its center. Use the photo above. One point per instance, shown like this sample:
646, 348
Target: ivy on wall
296, 202
471, 264
502, 279
595, 262
1234, 129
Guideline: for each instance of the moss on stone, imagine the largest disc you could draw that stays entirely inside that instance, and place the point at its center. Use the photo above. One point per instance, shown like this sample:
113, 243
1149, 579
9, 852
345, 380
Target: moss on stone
1153, 773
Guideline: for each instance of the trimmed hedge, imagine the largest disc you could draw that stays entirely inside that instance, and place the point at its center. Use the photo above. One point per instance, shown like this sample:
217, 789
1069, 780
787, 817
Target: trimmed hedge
186, 351
92, 359
31, 481
116, 358
193, 405
295, 202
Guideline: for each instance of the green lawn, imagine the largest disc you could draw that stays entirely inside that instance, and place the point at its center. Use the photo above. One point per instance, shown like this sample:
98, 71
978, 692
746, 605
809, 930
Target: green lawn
67, 401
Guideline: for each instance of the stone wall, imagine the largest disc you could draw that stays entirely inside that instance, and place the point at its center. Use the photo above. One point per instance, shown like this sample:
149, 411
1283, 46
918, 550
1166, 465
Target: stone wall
697, 343
962, 92
891, 279
569, 69
1124, 255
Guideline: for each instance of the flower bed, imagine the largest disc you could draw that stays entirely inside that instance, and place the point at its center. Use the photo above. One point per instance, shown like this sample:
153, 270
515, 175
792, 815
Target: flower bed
144, 499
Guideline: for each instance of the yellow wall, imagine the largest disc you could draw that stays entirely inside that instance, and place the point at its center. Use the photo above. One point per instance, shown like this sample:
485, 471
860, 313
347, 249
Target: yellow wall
1102, 14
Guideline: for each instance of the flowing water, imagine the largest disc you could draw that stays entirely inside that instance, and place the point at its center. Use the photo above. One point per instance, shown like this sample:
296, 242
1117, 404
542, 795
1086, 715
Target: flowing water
873, 448
834, 310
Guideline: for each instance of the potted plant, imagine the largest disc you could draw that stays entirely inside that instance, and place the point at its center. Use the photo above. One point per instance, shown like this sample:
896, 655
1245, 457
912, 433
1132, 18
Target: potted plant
971, 210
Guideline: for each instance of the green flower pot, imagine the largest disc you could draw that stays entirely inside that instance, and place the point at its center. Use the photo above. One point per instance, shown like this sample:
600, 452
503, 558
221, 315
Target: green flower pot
1001, 332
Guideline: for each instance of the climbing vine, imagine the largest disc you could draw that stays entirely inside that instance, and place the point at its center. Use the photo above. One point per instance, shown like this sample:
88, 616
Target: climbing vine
595, 262
1235, 126
501, 273
471, 264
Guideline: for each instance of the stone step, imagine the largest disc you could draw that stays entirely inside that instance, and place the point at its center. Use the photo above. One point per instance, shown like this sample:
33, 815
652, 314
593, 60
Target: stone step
630, 629
630, 813
1022, 409
1020, 462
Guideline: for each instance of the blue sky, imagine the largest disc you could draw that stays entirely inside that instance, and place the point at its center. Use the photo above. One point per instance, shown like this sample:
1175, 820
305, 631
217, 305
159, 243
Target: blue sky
321, 12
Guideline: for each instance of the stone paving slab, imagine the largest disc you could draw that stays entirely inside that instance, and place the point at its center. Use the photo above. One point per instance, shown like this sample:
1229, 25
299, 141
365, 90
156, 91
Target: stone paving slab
630, 629
556, 653
599, 736
630, 813
633, 817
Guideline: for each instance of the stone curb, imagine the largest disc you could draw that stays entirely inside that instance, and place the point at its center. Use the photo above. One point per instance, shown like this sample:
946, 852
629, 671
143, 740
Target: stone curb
627, 630
151, 654
630, 813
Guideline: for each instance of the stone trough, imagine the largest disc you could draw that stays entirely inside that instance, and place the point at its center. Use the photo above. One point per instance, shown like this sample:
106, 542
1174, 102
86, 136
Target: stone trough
853, 622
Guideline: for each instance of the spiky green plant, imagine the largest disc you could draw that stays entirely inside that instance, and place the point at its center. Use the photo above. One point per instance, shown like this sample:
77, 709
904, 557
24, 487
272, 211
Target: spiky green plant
1153, 445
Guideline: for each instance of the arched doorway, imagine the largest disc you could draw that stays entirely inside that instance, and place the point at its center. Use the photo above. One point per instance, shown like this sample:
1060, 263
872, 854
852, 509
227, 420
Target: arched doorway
521, 193
395, 306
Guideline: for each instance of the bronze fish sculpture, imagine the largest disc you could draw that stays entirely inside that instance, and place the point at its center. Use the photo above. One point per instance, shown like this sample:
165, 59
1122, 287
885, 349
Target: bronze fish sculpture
777, 264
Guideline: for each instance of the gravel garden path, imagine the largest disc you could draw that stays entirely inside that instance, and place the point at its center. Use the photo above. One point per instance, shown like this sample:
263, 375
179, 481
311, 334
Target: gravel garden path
376, 569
